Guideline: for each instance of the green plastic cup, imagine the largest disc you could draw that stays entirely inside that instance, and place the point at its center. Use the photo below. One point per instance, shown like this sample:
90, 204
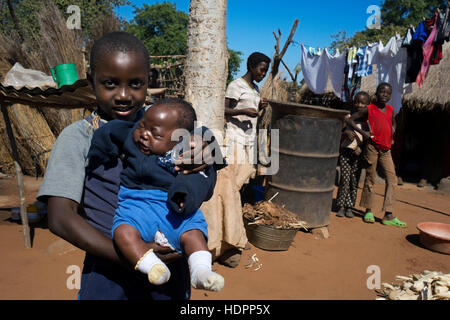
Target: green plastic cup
64, 74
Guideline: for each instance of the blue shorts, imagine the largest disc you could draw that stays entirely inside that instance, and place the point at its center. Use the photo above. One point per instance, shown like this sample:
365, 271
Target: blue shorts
147, 211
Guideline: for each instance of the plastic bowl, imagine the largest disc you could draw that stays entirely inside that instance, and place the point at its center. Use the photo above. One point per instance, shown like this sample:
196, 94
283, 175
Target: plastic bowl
435, 236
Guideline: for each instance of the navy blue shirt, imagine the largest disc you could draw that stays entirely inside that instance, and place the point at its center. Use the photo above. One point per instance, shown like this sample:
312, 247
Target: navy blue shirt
142, 172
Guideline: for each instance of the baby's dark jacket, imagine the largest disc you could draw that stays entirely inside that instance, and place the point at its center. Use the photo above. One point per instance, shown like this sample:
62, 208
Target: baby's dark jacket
142, 172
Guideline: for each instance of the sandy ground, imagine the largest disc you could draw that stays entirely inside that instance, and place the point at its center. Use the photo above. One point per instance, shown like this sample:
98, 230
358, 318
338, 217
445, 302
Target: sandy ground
312, 268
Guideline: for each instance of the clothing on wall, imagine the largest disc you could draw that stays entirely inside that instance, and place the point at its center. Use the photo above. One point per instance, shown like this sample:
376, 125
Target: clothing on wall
443, 27
428, 48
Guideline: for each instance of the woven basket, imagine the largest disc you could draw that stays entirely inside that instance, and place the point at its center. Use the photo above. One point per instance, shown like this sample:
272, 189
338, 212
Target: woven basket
269, 238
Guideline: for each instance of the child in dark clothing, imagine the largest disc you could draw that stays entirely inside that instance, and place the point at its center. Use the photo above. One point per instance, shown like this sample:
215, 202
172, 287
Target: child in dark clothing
155, 203
350, 161
380, 117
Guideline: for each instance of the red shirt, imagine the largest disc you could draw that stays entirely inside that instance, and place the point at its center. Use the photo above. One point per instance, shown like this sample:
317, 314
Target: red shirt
380, 123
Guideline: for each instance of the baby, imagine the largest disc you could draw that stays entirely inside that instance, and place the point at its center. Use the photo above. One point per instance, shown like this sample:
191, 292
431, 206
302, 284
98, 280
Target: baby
155, 203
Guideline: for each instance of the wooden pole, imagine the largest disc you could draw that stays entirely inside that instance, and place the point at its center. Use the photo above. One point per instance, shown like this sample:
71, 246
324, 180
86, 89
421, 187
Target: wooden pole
23, 211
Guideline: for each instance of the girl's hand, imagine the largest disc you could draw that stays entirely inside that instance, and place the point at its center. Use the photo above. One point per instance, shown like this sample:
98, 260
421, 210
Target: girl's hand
350, 135
263, 103
250, 112
368, 135
194, 160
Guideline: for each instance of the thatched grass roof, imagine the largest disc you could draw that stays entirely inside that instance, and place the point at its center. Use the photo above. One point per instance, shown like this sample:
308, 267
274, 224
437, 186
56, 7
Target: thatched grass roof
435, 92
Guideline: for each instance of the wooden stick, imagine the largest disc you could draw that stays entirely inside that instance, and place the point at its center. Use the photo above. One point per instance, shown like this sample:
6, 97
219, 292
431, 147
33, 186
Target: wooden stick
288, 42
289, 71
23, 211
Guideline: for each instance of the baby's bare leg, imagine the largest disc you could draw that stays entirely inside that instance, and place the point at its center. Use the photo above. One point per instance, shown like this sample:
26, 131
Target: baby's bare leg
192, 241
195, 247
130, 243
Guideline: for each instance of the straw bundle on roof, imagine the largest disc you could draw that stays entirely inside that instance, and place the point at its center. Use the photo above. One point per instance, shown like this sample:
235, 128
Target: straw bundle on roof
33, 137
6, 160
58, 45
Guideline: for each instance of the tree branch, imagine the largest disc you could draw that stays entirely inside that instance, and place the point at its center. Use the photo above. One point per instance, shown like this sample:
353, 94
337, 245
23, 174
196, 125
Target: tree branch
289, 71
279, 55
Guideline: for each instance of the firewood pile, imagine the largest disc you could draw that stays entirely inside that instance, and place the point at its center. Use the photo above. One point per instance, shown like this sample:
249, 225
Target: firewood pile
271, 214
431, 285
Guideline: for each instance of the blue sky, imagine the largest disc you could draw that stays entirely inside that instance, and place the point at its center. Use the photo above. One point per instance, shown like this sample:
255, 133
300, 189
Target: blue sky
250, 23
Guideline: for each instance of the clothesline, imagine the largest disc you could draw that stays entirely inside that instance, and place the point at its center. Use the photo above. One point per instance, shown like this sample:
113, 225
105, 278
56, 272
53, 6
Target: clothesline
402, 61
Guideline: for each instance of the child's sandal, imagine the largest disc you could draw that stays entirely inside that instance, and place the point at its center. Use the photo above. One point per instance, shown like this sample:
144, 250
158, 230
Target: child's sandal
369, 218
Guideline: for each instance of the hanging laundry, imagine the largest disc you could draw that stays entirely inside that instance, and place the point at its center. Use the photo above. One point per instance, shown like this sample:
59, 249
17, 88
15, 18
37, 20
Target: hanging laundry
407, 40
436, 56
365, 55
335, 68
319, 51
443, 27
314, 69
391, 61
415, 52
352, 82
421, 32
312, 51
428, 48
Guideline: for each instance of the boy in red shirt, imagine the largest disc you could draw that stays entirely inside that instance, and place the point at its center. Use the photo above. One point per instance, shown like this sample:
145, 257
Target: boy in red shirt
380, 118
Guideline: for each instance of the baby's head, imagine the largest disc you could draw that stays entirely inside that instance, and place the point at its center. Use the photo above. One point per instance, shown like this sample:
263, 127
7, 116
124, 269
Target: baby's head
362, 100
119, 75
153, 134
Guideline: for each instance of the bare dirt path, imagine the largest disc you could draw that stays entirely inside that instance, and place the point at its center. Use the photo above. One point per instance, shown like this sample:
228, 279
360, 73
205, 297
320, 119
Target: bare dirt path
312, 268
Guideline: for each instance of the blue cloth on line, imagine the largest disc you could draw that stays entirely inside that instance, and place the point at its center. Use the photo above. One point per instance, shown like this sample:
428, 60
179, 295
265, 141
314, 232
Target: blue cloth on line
363, 69
421, 32
148, 212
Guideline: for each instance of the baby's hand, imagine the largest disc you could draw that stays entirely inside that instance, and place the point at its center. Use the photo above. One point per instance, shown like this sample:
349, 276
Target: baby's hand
179, 198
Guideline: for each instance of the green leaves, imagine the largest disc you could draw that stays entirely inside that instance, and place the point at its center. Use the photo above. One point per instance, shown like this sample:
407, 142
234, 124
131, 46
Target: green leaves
396, 17
161, 27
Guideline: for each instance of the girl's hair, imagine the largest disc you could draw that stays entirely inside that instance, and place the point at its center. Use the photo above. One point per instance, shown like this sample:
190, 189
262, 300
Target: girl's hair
187, 115
363, 93
118, 41
383, 84
255, 58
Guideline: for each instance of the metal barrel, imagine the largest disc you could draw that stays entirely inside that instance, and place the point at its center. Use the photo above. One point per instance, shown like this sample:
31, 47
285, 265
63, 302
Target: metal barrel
308, 156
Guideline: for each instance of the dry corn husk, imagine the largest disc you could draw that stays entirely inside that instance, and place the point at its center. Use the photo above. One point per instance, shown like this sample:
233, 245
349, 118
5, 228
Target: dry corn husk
430, 285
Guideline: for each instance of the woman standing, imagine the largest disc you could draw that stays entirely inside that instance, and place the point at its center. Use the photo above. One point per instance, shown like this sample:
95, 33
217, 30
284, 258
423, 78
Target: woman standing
242, 103
223, 213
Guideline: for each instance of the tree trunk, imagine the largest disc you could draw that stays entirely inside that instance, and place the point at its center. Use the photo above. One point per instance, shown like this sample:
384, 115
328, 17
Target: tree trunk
207, 63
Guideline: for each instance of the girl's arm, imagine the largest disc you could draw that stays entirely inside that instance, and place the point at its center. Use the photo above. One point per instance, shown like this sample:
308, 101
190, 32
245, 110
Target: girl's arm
361, 114
230, 110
